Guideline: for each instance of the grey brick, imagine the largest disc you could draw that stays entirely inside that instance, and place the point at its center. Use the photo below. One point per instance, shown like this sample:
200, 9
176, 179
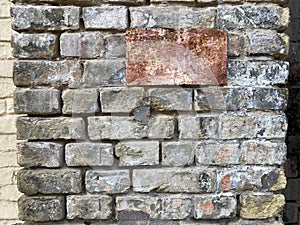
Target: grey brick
31, 73
176, 207
41, 209
270, 98
218, 153
215, 206
40, 154
45, 17
89, 207
30, 46
112, 73
172, 17
170, 99
89, 154
235, 44
34, 128
83, 45
46, 181
178, 153
115, 46
231, 17
37, 101
96, 17
119, 128
109, 182
172, 180
80, 101
138, 203
137, 153
121, 99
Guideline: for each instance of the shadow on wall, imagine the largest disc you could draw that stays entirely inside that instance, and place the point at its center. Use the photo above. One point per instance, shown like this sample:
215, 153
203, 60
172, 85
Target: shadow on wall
292, 193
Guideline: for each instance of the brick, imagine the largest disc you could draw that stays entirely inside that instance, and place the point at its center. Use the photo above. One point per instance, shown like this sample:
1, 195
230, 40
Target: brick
2, 106
250, 178
5, 9
109, 182
8, 124
9, 106
46, 181
80, 101
215, 206
178, 153
119, 128
231, 17
263, 152
170, 99
292, 191
41, 209
270, 98
6, 31
6, 68
198, 127
176, 207
218, 153
267, 42
199, 56
9, 193
40, 154
137, 153
112, 73
37, 101
275, 1
172, 180
257, 73
89, 207
172, 17
219, 98
34, 128
5, 50
261, 205
138, 203
8, 159
83, 45
96, 17
115, 46
8, 142
121, 99
7, 88
235, 44
8, 175
53, 73
30, 46
89, 154
42, 17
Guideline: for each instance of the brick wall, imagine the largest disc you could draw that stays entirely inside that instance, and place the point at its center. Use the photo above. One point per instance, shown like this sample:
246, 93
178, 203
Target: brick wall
101, 152
8, 160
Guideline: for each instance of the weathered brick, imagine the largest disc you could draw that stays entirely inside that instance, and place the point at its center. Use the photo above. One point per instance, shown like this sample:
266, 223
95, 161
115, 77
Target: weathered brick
41, 209
270, 98
178, 153
8, 124
7, 88
215, 206
80, 101
37, 101
40, 154
176, 207
198, 127
112, 127
5, 9
292, 191
89, 207
235, 44
96, 17
30, 46
263, 152
133, 153
109, 182
170, 99
112, 73
45, 17
261, 205
83, 45
31, 73
34, 128
254, 222
6, 68
191, 180
251, 178
219, 98
6, 31
46, 181
121, 99
89, 154
172, 17
115, 46
218, 153
231, 17
138, 203
267, 42
257, 73
6, 50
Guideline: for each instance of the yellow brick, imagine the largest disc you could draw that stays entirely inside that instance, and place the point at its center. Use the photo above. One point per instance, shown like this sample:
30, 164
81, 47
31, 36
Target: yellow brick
8, 142
9, 210
5, 31
6, 68
8, 124
6, 88
10, 106
5, 8
5, 50
8, 176
9, 192
8, 158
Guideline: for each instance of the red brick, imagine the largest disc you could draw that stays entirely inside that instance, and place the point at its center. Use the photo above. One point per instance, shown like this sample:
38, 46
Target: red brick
176, 57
